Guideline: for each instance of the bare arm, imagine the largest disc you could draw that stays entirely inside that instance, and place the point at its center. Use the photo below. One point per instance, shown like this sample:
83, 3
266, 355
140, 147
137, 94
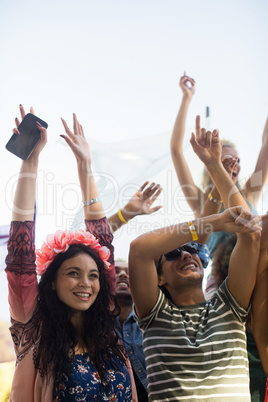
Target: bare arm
259, 300
78, 144
256, 182
24, 200
21, 273
243, 267
139, 204
146, 248
213, 206
192, 193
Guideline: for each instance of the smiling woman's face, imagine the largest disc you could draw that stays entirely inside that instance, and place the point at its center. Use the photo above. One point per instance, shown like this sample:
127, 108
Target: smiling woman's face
77, 284
228, 150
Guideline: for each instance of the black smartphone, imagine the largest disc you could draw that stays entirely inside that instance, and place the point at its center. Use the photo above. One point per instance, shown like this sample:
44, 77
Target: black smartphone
22, 145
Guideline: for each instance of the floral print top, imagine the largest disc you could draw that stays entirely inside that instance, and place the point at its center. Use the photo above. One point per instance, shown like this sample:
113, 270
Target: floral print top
85, 384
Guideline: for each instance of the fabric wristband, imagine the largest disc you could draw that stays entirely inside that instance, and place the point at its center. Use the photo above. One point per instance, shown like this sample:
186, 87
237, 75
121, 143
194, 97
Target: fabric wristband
122, 219
211, 198
193, 231
91, 201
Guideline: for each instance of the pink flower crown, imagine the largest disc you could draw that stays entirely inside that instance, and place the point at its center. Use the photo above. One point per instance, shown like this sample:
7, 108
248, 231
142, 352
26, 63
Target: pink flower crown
60, 242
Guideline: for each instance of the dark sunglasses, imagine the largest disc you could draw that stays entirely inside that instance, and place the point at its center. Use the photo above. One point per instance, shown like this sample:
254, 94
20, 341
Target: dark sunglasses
192, 248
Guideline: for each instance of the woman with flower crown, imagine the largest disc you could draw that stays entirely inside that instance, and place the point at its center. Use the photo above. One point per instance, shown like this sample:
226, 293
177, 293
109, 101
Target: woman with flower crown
63, 326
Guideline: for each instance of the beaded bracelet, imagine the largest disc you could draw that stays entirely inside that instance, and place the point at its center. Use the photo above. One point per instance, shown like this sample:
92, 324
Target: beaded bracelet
211, 198
192, 230
122, 219
91, 201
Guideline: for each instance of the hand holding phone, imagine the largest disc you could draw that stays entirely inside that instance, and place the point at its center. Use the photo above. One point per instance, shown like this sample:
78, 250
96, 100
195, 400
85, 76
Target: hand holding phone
23, 144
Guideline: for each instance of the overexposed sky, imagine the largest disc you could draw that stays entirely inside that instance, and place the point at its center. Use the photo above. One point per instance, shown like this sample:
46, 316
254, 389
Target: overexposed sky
117, 64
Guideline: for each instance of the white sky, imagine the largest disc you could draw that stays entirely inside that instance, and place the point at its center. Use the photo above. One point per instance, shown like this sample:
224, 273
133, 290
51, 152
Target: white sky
117, 64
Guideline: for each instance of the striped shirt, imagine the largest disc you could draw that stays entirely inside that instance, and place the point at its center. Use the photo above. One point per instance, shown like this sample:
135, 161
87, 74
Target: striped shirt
197, 352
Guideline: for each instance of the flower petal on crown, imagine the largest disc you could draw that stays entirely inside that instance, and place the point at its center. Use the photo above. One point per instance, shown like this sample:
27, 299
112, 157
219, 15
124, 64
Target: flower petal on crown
104, 253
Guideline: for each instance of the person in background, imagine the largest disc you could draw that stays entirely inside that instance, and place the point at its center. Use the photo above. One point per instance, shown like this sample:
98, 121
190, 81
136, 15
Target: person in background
206, 200
130, 334
208, 196
63, 327
128, 330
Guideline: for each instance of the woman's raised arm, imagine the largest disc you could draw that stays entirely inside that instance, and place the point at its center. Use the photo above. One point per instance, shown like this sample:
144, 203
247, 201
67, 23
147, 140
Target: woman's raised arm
24, 200
256, 182
76, 140
192, 193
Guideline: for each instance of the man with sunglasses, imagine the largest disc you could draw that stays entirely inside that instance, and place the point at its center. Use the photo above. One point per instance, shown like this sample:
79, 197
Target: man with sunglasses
192, 248
194, 349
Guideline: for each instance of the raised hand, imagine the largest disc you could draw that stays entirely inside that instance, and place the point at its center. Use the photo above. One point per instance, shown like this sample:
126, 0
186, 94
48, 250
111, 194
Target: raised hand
206, 144
187, 85
43, 132
229, 164
142, 200
24, 200
17, 121
76, 140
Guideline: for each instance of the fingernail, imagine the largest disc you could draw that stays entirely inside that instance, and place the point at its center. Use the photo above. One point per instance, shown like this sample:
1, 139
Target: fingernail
61, 135
38, 123
20, 104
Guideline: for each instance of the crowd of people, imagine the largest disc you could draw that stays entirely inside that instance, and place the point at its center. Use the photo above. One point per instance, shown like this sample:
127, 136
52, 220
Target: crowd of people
88, 327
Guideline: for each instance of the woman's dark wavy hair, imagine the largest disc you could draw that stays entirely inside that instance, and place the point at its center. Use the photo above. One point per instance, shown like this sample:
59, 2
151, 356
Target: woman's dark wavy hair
58, 338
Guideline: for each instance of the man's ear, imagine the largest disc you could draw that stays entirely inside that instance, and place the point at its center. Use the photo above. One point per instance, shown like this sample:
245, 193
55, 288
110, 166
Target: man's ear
161, 280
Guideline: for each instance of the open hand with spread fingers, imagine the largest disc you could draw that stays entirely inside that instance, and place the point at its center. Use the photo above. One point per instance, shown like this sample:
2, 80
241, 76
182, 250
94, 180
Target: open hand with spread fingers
76, 140
142, 201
